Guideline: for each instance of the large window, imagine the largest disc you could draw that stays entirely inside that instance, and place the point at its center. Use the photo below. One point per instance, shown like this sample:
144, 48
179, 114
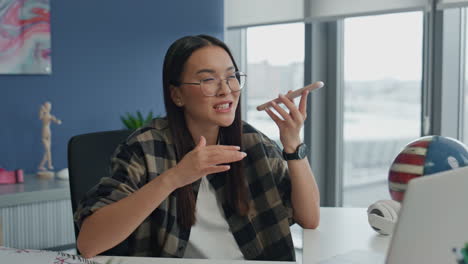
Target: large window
381, 65
382, 99
275, 64
465, 104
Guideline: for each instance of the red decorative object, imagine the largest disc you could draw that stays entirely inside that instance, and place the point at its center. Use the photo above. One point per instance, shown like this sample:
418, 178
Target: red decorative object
423, 157
11, 177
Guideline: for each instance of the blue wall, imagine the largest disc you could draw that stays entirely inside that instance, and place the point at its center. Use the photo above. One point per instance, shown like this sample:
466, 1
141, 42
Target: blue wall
107, 60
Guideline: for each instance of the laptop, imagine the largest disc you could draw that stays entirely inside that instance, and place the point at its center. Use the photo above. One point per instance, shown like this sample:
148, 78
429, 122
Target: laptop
432, 225
433, 221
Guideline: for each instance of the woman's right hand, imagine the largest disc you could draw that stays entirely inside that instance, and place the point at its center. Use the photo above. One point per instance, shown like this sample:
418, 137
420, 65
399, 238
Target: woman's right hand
204, 160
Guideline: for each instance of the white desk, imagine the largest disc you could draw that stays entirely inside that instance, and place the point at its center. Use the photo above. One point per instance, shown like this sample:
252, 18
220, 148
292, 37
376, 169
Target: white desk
341, 230
135, 260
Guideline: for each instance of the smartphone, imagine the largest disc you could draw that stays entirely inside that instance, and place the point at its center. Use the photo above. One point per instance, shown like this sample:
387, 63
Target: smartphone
294, 94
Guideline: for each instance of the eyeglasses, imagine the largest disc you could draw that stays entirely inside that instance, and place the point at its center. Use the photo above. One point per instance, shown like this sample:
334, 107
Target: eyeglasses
210, 86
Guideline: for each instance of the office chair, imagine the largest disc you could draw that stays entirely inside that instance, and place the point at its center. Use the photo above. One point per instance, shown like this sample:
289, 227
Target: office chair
88, 161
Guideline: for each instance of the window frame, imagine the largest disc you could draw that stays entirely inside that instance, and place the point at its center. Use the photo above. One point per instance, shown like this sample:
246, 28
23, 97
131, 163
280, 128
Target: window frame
323, 129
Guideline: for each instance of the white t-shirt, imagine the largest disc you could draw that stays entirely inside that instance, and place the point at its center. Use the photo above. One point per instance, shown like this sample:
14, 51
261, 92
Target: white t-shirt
210, 237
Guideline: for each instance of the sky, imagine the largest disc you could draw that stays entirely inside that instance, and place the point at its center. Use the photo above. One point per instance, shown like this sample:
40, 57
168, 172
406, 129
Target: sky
375, 47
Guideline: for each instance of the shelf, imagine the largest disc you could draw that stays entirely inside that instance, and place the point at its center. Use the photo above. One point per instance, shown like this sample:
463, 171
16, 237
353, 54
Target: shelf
33, 190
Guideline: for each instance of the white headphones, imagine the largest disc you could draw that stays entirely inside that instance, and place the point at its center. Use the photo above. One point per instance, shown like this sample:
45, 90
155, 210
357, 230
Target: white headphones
383, 215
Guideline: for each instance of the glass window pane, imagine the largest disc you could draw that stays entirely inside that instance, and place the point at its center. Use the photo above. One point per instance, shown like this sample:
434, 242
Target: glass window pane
275, 64
382, 99
465, 104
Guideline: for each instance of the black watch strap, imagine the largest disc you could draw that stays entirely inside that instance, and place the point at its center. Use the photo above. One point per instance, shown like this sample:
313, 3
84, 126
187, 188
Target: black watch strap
300, 153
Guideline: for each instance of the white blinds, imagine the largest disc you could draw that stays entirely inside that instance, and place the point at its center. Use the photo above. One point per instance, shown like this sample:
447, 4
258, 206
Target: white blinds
334, 9
244, 13
441, 4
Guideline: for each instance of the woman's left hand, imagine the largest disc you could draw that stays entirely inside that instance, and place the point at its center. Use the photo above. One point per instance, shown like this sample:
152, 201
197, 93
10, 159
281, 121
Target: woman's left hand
291, 124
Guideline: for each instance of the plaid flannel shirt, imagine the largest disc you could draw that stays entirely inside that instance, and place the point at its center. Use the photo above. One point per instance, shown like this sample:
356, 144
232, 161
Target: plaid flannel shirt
263, 234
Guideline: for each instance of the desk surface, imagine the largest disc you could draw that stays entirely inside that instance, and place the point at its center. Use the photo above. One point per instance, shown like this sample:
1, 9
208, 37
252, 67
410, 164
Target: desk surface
341, 230
135, 260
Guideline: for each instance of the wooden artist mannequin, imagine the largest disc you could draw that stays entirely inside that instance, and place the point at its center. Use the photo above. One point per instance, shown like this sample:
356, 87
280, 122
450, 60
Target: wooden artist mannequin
46, 117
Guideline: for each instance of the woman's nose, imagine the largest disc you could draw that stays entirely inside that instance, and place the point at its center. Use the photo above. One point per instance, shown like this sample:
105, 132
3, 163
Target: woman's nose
224, 88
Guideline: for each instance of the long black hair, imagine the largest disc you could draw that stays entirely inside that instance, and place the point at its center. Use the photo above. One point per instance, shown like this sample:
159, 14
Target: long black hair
236, 188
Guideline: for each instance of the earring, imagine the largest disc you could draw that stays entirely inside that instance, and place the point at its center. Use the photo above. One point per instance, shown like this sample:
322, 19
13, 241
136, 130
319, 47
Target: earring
179, 103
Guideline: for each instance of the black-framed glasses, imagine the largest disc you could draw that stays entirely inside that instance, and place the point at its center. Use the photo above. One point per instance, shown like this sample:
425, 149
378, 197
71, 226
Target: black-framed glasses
210, 86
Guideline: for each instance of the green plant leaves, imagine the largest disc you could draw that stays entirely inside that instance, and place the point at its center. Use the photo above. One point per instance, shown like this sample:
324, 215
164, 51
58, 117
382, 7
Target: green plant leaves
136, 121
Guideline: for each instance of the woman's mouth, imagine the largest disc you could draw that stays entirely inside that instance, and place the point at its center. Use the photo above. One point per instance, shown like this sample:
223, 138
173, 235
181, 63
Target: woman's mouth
223, 107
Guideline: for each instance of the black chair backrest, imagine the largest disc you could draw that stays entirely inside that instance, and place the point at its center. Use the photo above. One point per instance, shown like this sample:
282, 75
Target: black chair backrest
89, 158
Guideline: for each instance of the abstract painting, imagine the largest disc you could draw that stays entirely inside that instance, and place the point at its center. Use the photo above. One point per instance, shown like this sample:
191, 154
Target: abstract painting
25, 37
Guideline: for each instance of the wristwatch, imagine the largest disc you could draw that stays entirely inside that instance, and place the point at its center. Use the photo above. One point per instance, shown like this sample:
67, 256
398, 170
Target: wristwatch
301, 152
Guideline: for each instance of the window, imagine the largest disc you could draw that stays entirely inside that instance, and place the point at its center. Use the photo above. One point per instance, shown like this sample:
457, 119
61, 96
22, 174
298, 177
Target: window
275, 64
465, 103
382, 99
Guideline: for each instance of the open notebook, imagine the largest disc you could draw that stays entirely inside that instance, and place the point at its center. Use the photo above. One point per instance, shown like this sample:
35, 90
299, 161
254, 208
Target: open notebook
13, 255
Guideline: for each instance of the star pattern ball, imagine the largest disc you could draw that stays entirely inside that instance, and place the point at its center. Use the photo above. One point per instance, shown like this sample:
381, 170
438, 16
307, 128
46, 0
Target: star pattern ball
424, 156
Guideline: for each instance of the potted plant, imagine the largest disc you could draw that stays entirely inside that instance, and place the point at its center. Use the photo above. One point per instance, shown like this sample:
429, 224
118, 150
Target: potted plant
135, 121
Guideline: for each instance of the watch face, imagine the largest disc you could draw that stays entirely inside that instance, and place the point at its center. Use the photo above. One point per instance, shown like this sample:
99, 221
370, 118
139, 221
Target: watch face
302, 151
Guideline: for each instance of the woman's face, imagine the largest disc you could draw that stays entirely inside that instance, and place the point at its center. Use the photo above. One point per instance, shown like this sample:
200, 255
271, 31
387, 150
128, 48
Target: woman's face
207, 63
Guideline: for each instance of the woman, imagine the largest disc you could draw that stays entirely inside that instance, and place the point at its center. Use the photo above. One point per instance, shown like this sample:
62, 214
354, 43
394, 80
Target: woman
230, 195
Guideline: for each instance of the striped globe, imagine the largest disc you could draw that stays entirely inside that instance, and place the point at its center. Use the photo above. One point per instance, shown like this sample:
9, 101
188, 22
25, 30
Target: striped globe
424, 156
